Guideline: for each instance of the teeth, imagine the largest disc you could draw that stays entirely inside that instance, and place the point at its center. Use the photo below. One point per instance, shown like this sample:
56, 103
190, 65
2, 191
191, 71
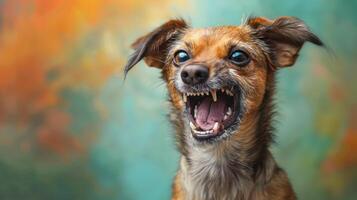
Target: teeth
215, 127
229, 111
184, 97
195, 112
203, 132
214, 95
228, 92
225, 117
193, 127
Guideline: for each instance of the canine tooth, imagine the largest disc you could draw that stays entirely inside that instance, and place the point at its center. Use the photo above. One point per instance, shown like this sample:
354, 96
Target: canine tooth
184, 97
229, 111
193, 127
215, 127
195, 112
225, 117
214, 95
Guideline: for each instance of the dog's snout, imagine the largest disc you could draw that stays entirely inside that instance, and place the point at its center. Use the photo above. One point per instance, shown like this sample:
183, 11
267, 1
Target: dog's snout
194, 74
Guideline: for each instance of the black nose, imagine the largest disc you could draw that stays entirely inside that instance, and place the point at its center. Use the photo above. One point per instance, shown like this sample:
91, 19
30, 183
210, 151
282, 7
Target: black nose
194, 74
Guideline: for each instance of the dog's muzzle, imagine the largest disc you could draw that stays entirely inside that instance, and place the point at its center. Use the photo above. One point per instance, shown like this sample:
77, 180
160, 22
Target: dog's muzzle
212, 112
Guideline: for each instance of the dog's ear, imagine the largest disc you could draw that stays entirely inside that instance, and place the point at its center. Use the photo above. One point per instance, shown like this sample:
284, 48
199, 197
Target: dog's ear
284, 36
153, 46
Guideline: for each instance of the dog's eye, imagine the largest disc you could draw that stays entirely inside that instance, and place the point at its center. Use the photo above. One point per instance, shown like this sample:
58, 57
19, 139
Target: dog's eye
181, 56
239, 57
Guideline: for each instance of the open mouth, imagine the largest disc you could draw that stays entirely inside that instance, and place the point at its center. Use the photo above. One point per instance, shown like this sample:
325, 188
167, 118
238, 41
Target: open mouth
211, 113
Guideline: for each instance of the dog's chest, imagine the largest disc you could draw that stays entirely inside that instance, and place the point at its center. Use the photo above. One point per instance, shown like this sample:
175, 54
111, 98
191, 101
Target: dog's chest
211, 175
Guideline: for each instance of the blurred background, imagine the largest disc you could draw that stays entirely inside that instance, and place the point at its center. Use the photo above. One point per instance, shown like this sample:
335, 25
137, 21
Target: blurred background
70, 128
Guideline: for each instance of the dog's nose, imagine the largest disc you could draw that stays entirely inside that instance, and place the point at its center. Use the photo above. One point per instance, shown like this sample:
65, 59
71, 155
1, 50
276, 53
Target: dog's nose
194, 74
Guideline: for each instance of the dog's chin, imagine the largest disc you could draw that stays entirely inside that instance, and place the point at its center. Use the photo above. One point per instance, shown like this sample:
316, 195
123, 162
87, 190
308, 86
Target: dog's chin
213, 114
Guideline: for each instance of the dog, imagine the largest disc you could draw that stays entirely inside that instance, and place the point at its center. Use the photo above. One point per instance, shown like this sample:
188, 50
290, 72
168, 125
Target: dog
220, 82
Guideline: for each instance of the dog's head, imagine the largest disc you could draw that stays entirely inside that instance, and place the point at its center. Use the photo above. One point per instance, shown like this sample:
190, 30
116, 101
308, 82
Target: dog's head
217, 77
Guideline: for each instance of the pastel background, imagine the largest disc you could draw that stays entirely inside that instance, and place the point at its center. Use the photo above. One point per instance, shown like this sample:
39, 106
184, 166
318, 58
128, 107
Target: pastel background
70, 128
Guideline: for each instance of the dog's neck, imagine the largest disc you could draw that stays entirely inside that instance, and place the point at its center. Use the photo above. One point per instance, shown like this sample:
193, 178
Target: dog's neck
233, 168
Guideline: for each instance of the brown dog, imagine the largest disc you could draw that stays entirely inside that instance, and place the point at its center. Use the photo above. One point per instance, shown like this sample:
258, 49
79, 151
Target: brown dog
221, 85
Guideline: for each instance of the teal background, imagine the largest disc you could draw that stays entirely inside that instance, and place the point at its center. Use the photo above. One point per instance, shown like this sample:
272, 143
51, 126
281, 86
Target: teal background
70, 128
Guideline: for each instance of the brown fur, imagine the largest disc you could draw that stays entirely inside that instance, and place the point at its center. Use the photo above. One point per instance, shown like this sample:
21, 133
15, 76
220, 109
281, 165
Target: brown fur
239, 166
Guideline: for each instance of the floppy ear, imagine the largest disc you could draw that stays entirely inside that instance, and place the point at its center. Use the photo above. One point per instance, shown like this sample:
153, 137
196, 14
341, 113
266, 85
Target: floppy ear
153, 46
284, 36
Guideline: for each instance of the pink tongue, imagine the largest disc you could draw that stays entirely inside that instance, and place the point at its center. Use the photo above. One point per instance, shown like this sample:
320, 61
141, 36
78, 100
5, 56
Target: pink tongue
209, 112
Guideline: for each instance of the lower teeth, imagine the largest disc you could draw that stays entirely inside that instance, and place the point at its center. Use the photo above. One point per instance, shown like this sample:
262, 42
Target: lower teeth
203, 132
215, 129
225, 117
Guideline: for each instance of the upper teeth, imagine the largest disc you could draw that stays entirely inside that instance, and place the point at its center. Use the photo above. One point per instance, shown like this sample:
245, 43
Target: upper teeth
213, 93
229, 111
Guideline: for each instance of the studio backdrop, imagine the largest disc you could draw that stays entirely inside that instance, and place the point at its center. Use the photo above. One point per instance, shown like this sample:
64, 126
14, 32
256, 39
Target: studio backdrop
72, 128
